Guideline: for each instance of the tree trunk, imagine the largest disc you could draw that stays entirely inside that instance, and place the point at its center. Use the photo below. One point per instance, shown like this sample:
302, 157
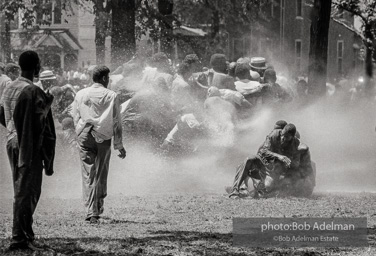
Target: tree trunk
215, 24
165, 7
318, 52
5, 41
368, 59
123, 37
100, 31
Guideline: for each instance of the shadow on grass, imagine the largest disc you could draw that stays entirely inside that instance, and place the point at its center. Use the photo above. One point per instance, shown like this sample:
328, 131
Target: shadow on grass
159, 243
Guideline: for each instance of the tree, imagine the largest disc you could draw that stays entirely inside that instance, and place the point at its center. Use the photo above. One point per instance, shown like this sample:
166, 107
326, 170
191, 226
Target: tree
318, 52
101, 21
366, 11
165, 8
123, 34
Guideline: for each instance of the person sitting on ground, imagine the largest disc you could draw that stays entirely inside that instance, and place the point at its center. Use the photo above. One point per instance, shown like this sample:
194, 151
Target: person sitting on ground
184, 136
278, 154
272, 92
219, 77
236, 98
183, 93
249, 89
258, 64
161, 67
231, 70
282, 167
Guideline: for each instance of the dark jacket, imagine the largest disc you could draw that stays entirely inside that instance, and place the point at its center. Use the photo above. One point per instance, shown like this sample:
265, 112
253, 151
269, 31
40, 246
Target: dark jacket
35, 127
272, 147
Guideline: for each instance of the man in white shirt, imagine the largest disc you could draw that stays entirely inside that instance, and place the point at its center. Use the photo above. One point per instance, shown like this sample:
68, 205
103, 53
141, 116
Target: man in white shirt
96, 114
249, 89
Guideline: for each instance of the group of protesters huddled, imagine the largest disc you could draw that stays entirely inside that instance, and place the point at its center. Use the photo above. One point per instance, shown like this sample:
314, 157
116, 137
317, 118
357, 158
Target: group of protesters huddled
176, 109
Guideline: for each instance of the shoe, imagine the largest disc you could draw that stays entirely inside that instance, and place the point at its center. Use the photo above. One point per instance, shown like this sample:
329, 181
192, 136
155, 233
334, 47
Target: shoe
24, 246
32, 246
18, 246
94, 220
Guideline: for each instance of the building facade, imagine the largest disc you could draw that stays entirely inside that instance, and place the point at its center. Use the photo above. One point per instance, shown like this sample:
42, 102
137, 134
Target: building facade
284, 39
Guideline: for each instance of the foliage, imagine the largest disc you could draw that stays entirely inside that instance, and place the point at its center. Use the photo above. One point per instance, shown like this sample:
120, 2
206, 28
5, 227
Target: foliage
366, 11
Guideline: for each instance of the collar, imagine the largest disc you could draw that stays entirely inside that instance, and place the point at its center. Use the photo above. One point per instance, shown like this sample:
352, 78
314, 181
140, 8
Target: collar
97, 85
25, 80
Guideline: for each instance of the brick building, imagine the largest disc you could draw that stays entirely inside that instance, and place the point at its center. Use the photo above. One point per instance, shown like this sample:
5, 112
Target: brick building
284, 39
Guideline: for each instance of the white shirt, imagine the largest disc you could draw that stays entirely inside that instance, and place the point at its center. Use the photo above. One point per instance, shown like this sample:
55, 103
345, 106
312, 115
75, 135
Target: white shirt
100, 107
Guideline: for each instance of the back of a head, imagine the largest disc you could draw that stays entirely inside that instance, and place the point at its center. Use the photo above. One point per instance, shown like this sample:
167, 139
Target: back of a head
190, 59
289, 129
218, 62
11, 68
99, 72
280, 124
56, 91
28, 61
270, 76
2, 66
246, 60
213, 91
231, 69
242, 71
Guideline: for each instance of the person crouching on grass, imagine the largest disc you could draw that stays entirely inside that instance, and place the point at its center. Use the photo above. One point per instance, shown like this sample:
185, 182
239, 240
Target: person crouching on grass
96, 115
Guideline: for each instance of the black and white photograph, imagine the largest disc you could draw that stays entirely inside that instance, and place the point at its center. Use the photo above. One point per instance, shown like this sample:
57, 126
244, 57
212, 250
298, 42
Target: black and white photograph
188, 127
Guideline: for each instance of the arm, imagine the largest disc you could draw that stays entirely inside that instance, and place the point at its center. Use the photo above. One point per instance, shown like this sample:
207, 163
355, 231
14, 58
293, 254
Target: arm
2, 116
49, 144
118, 130
266, 150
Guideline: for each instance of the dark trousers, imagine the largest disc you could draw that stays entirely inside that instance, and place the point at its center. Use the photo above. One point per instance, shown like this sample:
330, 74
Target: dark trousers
27, 183
95, 162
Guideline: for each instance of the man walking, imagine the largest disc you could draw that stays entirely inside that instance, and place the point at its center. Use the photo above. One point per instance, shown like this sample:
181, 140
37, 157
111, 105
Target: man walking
25, 110
96, 114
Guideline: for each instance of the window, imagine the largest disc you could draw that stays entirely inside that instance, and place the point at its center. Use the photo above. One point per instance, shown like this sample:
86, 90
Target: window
49, 12
57, 12
298, 54
299, 8
340, 57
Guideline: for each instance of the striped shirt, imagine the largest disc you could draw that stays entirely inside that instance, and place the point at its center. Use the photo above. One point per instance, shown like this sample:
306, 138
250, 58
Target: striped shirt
8, 102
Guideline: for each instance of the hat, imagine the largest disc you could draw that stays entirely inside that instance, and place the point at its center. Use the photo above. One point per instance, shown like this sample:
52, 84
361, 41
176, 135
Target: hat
258, 63
91, 67
47, 75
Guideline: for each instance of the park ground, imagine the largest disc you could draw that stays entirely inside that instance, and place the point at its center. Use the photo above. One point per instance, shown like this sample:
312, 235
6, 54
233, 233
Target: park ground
179, 224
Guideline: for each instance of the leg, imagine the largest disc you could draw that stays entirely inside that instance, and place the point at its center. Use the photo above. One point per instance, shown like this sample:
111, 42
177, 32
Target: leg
251, 167
88, 157
27, 182
101, 171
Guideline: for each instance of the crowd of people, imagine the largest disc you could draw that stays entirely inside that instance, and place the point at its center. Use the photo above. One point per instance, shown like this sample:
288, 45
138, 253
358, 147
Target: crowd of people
178, 110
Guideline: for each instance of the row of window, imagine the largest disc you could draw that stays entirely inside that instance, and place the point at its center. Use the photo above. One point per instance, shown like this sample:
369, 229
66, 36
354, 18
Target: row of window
298, 55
